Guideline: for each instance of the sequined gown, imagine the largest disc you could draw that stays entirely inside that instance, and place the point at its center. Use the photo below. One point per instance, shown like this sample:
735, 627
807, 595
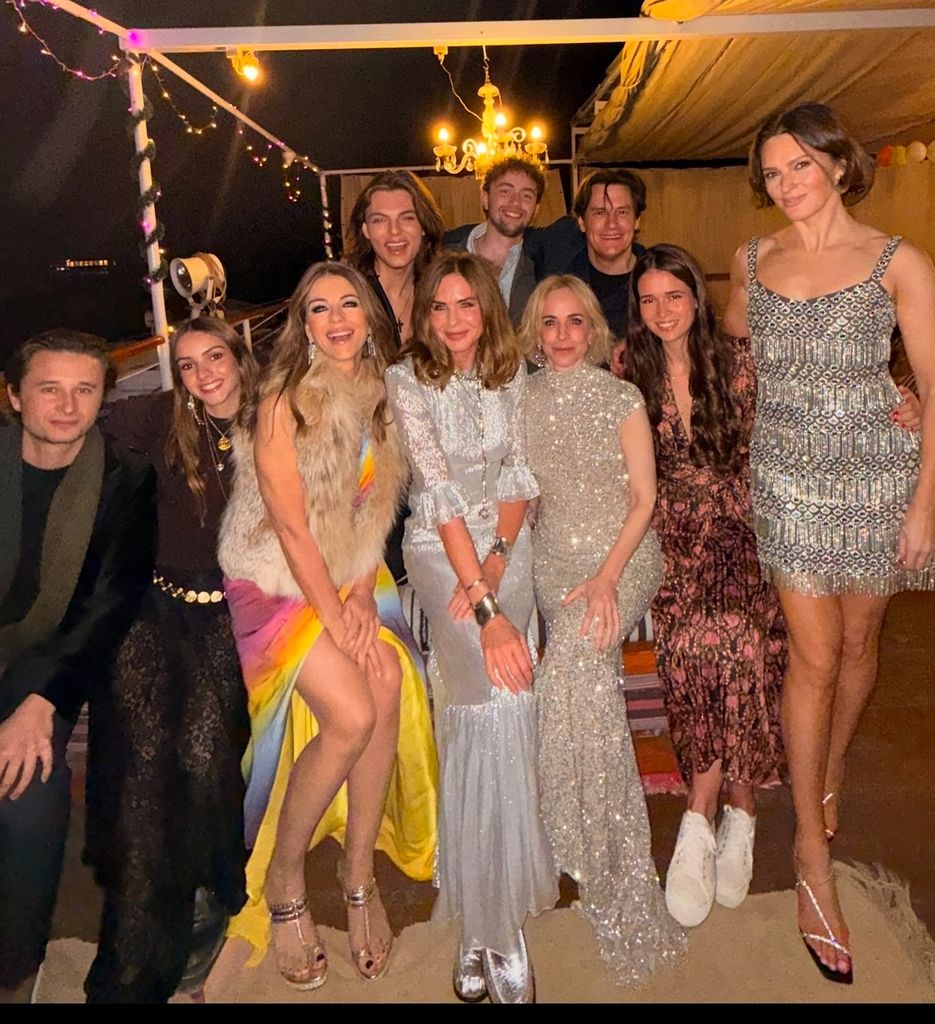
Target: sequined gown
832, 474
592, 797
494, 864
720, 635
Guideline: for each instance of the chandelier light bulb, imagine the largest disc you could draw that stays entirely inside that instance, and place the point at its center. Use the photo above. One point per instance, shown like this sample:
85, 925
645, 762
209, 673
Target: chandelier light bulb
443, 135
500, 120
535, 133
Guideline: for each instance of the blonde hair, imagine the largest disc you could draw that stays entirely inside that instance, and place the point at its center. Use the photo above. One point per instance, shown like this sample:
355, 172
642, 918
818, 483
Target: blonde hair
498, 356
600, 341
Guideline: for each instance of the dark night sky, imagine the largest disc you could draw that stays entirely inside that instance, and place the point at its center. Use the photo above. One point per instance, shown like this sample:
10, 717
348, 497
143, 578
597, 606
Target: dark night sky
65, 182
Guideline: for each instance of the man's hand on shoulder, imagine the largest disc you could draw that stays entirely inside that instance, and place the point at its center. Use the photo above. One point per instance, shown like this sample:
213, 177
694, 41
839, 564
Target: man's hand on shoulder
25, 744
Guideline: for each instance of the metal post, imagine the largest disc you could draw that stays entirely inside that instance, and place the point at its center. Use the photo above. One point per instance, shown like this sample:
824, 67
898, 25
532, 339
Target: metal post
148, 223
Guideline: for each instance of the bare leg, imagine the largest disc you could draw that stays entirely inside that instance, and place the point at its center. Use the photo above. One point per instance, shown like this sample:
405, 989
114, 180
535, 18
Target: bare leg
338, 695
705, 790
741, 796
863, 620
366, 792
816, 631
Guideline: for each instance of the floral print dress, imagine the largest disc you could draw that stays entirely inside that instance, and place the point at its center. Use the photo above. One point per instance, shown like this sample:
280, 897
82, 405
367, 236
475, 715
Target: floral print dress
720, 635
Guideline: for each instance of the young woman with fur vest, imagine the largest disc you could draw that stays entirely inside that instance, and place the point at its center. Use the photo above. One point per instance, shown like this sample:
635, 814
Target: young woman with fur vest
334, 682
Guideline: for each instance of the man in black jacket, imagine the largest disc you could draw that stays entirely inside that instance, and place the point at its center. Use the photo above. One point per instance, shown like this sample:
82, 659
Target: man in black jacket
510, 195
78, 522
598, 243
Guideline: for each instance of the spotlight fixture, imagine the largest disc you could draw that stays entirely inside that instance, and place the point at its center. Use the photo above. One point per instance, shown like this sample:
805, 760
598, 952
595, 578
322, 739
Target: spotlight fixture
202, 281
244, 63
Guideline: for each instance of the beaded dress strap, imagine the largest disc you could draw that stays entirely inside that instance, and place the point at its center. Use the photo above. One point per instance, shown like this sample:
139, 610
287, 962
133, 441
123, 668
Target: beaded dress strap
884, 261
752, 247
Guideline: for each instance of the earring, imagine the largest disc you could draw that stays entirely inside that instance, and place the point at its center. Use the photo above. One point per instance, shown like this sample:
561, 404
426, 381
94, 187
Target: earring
312, 349
369, 348
538, 357
193, 408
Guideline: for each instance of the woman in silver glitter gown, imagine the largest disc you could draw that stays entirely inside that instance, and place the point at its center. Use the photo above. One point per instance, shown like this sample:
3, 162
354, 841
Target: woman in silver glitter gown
596, 566
843, 501
458, 399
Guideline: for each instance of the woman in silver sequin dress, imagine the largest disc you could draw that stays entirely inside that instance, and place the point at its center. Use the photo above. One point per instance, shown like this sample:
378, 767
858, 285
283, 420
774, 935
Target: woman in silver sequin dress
458, 399
596, 566
844, 501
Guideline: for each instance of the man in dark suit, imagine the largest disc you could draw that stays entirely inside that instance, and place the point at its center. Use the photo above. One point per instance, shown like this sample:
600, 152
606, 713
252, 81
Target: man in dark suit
78, 522
510, 195
598, 241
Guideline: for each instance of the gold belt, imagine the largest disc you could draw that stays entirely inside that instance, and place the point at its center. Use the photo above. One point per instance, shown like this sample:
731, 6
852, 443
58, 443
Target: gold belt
189, 596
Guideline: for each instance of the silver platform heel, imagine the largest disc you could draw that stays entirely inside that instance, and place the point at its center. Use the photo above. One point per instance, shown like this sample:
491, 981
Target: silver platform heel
468, 976
509, 979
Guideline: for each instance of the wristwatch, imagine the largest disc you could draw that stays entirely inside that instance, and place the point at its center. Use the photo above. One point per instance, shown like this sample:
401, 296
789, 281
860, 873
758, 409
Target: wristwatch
502, 547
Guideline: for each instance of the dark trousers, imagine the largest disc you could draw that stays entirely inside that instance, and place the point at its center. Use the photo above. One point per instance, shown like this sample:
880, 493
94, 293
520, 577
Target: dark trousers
33, 829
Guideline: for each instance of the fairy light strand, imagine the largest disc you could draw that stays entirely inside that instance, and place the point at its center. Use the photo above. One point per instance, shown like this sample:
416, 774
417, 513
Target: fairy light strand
46, 50
190, 127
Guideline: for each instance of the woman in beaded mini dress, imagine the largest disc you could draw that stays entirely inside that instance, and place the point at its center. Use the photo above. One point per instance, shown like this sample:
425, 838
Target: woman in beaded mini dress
596, 566
843, 500
459, 399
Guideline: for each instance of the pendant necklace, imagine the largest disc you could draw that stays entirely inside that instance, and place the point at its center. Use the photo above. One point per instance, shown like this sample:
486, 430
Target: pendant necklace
222, 444
484, 512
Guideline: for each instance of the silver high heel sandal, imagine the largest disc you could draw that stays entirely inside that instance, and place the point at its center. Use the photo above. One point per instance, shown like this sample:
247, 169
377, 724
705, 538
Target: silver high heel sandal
370, 963
825, 800
509, 979
314, 972
828, 939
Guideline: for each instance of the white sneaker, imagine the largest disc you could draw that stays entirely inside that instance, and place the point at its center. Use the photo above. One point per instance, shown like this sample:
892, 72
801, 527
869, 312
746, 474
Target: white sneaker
735, 837
690, 881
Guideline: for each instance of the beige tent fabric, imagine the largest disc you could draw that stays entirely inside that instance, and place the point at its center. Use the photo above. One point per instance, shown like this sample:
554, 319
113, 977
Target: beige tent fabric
710, 211
458, 197
703, 99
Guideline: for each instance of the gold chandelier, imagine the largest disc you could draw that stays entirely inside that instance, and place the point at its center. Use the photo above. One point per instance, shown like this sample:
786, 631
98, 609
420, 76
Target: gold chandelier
498, 141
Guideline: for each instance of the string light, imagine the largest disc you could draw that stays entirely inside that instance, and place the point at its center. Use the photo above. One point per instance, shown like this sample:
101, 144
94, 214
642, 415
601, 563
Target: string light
190, 128
45, 49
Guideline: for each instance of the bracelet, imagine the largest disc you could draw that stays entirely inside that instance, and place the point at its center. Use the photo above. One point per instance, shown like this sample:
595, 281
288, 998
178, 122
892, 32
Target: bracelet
471, 586
486, 608
501, 546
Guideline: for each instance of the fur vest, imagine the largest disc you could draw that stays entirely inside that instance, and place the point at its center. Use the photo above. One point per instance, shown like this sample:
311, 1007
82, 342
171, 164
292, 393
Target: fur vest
350, 536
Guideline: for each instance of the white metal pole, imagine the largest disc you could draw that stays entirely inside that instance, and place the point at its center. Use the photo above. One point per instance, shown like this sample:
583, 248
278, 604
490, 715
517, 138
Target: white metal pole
148, 223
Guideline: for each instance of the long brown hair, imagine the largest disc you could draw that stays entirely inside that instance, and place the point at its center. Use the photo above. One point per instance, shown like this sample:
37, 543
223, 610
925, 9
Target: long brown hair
184, 438
498, 355
290, 359
715, 428
359, 251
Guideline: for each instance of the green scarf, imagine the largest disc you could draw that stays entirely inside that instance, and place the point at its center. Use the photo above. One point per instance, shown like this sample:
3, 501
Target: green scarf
65, 542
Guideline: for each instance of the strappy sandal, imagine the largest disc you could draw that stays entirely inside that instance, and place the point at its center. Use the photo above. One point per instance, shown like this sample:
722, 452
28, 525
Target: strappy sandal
825, 800
313, 972
370, 962
828, 939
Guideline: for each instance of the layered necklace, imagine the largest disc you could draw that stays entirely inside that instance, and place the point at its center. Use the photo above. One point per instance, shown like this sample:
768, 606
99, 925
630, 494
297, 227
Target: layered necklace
219, 441
472, 383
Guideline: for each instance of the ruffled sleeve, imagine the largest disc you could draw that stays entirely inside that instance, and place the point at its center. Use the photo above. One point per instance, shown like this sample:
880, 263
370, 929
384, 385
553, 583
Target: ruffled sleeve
516, 482
437, 497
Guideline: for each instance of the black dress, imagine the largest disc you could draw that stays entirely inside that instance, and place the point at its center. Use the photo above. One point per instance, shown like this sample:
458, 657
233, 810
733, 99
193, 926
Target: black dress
165, 810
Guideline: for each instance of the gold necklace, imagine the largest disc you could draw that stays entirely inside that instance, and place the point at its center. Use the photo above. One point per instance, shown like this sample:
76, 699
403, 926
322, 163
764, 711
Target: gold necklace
223, 443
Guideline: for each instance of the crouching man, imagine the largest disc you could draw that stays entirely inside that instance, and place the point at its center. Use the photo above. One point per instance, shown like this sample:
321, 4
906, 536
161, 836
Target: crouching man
78, 526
